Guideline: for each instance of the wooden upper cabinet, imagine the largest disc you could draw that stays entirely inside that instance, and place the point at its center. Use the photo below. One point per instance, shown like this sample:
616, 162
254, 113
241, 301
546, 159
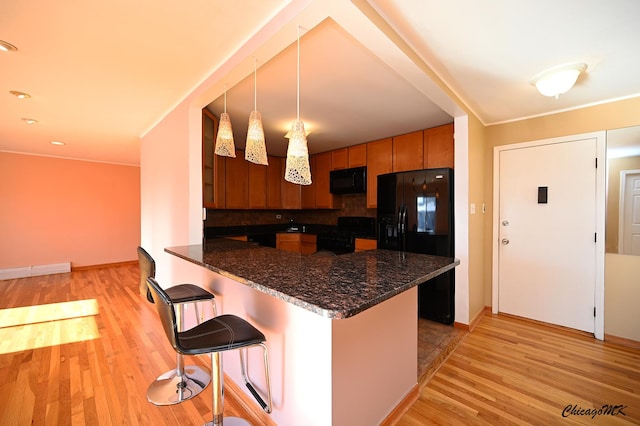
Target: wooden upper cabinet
257, 186
213, 166
358, 155
408, 152
379, 162
308, 192
290, 192
339, 159
324, 199
237, 179
274, 178
438, 147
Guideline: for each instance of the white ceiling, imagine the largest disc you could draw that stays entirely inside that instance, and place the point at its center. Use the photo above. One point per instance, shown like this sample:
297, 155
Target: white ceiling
102, 74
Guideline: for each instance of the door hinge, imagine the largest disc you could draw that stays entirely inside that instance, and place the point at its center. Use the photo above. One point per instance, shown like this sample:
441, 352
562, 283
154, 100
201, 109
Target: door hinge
596, 162
594, 311
595, 237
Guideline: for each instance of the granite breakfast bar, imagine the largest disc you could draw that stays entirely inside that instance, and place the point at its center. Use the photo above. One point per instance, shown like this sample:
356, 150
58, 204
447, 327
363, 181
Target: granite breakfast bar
341, 331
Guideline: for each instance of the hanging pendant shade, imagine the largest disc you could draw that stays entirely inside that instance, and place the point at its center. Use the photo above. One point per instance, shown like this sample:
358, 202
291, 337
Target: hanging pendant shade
297, 168
256, 149
224, 139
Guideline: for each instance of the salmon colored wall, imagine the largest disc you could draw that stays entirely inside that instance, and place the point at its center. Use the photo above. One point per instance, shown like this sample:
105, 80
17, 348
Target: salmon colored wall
57, 210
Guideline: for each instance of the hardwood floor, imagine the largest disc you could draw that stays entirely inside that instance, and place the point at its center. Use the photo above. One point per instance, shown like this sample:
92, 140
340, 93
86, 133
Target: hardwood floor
513, 371
65, 359
74, 366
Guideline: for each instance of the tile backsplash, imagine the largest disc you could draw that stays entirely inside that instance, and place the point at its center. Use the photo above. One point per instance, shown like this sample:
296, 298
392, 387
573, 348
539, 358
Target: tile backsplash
352, 205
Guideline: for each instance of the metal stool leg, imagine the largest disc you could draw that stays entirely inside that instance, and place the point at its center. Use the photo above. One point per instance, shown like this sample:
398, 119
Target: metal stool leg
180, 384
217, 398
266, 406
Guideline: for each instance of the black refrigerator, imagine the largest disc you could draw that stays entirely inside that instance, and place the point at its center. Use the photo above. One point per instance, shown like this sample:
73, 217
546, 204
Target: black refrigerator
415, 214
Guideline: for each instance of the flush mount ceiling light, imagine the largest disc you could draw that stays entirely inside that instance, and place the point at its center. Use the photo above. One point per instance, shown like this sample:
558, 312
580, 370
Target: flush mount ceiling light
7, 47
558, 80
224, 140
255, 149
297, 165
29, 120
19, 95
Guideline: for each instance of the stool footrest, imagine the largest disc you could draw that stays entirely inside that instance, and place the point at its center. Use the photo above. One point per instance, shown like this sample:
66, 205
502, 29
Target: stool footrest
257, 396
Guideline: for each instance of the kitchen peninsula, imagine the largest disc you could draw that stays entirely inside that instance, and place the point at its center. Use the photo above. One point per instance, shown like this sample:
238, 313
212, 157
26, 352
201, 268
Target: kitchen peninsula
341, 331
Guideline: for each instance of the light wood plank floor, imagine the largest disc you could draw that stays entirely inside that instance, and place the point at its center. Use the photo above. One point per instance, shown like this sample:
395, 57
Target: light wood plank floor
514, 371
85, 363
63, 364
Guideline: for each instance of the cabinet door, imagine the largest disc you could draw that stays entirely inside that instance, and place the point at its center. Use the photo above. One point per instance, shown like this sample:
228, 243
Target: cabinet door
274, 178
237, 179
213, 166
408, 152
379, 162
365, 244
308, 243
324, 199
289, 242
438, 147
257, 186
339, 159
308, 192
358, 155
290, 192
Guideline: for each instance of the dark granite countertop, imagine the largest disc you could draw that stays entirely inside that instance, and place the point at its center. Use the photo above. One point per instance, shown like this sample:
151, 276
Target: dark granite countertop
334, 287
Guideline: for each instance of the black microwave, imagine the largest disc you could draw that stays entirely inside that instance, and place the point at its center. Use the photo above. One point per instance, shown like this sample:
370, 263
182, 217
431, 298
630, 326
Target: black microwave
348, 181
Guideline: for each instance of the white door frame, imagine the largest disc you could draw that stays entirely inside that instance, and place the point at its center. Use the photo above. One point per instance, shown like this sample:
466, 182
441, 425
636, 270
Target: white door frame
600, 219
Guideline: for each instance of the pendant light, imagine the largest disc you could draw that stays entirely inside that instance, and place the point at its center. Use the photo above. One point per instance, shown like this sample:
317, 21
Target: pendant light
224, 139
255, 150
297, 164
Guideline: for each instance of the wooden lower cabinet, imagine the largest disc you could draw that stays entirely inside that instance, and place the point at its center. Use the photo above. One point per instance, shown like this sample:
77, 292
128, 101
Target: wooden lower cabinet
308, 243
296, 242
365, 244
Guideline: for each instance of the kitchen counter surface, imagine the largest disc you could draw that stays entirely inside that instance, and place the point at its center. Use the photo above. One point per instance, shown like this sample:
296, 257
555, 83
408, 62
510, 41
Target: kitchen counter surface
333, 287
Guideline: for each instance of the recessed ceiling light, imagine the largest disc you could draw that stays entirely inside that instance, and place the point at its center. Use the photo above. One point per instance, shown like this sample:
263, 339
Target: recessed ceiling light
19, 95
29, 120
7, 47
57, 143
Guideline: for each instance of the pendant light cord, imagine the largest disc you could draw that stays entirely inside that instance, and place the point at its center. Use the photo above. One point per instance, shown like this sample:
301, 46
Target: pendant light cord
298, 86
255, 84
225, 98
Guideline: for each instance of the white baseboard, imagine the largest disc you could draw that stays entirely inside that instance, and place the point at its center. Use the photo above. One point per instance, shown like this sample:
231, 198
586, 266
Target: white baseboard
32, 271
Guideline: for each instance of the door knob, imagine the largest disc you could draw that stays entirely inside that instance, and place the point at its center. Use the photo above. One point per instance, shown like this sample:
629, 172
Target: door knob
505, 241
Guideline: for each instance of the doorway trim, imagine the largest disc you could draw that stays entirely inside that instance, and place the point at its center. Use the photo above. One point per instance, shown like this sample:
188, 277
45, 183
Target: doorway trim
600, 138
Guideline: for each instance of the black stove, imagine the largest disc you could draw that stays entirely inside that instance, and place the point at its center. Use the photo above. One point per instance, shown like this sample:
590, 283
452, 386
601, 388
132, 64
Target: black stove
342, 240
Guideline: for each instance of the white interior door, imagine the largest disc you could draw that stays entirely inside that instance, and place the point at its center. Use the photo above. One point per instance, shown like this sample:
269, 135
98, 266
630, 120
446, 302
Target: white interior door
546, 250
630, 212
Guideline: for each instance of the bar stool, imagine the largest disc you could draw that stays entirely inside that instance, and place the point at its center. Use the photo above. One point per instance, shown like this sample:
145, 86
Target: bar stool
181, 383
221, 333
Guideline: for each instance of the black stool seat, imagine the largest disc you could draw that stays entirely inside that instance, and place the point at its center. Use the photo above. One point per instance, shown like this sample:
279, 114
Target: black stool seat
185, 293
222, 333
